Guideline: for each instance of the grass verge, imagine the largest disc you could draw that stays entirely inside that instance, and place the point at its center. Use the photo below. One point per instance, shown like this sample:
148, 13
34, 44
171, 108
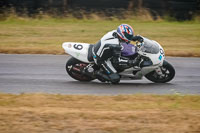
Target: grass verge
45, 36
92, 114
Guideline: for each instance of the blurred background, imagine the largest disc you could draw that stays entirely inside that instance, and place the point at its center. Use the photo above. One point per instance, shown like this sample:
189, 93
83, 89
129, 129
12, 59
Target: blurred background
178, 9
41, 26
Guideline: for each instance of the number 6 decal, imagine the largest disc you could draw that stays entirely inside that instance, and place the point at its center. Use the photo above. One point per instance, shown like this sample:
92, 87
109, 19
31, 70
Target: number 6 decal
162, 52
78, 46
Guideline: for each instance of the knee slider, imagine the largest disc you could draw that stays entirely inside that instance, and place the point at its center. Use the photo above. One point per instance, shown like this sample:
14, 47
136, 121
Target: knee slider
114, 77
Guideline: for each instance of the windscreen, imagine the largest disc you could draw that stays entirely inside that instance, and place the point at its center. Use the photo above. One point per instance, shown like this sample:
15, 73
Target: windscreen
150, 46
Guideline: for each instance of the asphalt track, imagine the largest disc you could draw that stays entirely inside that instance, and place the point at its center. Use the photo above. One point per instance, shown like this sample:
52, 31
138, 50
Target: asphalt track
46, 74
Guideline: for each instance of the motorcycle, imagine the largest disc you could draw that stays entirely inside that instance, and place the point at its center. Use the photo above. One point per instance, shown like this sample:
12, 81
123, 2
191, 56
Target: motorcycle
152, 64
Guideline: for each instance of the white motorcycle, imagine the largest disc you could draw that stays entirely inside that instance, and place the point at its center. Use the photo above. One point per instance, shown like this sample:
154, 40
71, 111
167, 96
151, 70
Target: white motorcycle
153, 65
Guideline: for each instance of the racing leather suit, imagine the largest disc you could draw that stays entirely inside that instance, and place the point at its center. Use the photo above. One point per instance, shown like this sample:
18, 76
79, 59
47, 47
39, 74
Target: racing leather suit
108, 47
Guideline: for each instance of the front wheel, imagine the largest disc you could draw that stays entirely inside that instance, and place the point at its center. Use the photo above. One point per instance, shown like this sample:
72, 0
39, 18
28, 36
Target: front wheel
74, 68
168, 73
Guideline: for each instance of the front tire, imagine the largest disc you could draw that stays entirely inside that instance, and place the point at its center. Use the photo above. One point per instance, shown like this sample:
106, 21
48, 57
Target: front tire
168, 74
74, 67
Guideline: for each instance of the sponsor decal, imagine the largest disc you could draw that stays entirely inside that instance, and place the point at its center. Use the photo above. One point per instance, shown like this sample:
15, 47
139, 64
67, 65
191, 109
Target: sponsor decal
133, 49
77, 55
69, 45
160, 57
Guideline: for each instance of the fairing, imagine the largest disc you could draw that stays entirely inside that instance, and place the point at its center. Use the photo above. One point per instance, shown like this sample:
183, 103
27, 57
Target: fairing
77, 50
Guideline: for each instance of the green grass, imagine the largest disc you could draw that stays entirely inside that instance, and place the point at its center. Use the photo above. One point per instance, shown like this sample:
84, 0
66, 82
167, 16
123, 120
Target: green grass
26, 35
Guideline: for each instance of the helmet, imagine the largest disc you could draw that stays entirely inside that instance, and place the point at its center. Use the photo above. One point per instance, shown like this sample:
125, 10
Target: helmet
125, 32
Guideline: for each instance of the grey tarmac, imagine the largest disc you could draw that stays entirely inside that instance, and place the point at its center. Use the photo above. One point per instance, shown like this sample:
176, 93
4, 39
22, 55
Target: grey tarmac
46, 74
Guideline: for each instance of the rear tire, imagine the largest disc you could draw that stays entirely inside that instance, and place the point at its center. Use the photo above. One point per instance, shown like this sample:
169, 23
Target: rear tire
73, 66
168, 74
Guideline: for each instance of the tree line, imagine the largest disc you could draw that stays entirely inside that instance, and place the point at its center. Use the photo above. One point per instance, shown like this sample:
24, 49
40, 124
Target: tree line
180, 9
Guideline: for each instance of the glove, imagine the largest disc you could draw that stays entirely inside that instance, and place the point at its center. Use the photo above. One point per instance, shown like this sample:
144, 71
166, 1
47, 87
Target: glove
138, 38
134, 62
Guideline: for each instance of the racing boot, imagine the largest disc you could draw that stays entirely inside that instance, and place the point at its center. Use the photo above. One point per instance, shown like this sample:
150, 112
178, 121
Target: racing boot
113, 77
101, 76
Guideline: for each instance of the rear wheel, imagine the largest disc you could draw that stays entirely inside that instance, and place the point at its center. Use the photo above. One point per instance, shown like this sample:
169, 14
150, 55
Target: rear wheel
74, 68
168, 73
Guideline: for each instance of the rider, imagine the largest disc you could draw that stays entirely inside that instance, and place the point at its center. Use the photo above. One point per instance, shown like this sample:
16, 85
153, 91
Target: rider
109, 47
